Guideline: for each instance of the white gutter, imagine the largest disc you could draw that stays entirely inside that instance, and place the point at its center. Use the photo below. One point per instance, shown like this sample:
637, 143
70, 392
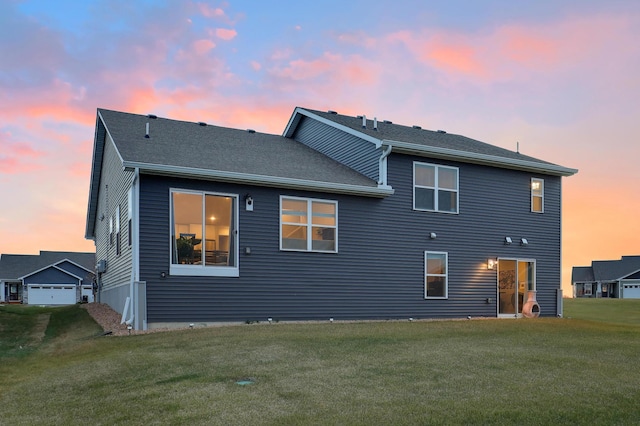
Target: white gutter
260, 180
472, 157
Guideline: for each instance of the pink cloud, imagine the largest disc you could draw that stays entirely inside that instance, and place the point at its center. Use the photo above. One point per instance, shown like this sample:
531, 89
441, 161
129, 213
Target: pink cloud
256, 65
16, 157
225, 34
210, 12
202, 46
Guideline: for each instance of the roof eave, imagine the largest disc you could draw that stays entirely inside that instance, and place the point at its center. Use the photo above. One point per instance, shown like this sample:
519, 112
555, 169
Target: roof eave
476, 158
261, 180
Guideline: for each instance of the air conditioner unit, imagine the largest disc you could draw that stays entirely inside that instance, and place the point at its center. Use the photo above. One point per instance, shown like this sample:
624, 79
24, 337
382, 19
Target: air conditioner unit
101, 266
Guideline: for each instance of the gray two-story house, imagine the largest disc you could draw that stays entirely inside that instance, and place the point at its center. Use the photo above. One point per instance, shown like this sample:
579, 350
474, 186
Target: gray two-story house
340, 217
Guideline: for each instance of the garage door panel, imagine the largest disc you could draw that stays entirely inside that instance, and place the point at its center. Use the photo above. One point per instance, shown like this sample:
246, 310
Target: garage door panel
631, 291
47, 294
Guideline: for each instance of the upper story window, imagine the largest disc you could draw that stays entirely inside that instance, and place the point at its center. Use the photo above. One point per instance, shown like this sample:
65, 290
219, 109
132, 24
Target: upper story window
436, 275
308, 224
435, 188
537, 195
204, 233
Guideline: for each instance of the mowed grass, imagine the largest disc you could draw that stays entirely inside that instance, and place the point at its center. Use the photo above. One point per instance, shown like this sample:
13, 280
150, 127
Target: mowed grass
528, 372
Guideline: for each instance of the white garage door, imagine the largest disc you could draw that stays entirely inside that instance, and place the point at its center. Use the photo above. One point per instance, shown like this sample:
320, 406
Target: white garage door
631, 291
51, 294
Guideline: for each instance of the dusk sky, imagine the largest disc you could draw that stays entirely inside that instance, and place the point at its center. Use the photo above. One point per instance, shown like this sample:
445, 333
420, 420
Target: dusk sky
561, 78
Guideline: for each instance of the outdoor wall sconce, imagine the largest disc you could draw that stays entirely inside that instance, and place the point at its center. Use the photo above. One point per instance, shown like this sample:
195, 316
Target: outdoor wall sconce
524, 242
248, 202
508, 240
492, 263
433, 235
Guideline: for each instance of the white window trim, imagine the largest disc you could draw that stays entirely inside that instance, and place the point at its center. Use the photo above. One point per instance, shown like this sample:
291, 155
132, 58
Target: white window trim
446, 275
436, 188
203, 270
309, 223
117, 230
541, 196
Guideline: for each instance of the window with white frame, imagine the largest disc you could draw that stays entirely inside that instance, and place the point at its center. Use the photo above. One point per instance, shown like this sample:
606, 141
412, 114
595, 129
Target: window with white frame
435, 188
111, 231
130, 217
308, 224
204, 233
436, 275
537, 195
117, 230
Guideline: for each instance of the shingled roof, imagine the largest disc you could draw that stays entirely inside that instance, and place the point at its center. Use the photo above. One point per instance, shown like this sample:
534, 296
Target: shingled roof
16, 266
606, 270
196, 148
437, 144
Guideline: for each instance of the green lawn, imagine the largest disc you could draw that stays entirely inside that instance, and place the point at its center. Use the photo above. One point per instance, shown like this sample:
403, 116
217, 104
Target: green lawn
572, 370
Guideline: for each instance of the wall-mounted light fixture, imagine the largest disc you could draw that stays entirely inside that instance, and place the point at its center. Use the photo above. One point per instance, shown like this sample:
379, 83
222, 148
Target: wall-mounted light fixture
433, 235
508, 240
492, 263
524, 242
248, 199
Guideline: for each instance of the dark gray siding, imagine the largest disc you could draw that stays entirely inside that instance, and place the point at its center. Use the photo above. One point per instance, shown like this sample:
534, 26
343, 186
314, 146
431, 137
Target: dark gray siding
114, 185
362, 156
50, 276
87, 277
378, 272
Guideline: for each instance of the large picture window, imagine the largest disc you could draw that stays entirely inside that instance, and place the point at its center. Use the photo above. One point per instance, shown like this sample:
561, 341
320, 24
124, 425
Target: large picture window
436, 275
537, 195
435, 188
203, 234
308, 224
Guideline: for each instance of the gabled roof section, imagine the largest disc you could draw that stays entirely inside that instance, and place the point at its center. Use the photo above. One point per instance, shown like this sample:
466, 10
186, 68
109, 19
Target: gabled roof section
17, 266
435, 144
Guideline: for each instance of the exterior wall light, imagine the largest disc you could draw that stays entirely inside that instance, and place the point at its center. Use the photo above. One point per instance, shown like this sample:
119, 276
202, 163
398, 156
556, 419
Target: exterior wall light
508, 240
524, 242
433, 235
492, 263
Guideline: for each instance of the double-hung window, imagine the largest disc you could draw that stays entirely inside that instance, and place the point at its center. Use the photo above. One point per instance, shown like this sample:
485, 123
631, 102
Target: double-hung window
435, 188
537, 195
204, 233
436, 275
308, 224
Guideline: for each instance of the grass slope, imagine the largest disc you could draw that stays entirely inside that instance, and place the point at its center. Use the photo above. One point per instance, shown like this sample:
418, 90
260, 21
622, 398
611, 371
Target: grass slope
542, 371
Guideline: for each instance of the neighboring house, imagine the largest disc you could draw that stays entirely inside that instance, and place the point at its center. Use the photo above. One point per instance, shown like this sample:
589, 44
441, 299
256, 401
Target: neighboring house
48, 278
608, 278
340, 217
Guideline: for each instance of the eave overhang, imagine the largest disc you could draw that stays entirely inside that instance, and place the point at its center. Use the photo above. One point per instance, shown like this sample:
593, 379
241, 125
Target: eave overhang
476, 158
259, 180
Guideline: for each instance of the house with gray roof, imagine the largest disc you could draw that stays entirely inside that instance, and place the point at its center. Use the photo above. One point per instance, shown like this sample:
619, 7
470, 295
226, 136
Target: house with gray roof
48, 278
340, 217
608, 278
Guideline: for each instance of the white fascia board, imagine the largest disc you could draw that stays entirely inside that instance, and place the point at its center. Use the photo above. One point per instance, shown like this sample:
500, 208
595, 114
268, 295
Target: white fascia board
472, 157
377, 142
261, 180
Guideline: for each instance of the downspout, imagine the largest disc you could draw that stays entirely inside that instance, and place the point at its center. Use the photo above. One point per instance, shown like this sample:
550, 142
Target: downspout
382, 167
134, 257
